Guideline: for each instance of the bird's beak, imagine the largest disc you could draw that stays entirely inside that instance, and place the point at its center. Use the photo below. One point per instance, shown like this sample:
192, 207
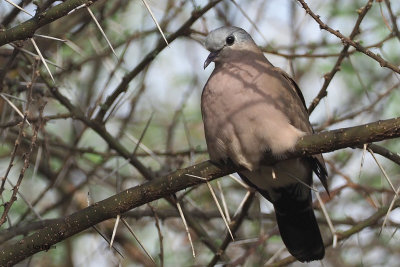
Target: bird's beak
210, 58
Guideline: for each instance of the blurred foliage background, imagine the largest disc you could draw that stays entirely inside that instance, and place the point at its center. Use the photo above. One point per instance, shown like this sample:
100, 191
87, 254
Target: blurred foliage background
71, 164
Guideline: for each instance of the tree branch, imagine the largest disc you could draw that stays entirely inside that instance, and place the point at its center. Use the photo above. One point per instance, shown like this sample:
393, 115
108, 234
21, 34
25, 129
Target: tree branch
343, 54
28, 28
347, 41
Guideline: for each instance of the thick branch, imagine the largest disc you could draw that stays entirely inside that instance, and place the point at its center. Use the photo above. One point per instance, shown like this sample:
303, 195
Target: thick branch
106, 209
29, 27
348, 137
165, 186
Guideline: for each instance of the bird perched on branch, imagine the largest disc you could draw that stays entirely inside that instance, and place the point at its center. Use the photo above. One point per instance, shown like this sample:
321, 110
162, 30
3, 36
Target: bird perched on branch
252, 110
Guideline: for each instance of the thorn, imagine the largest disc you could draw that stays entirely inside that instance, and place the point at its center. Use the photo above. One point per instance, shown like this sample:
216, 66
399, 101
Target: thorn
186, 227
14, 107
114, 230
219, 209
155, 21
20, 8
42, 58
137, 239
101, 30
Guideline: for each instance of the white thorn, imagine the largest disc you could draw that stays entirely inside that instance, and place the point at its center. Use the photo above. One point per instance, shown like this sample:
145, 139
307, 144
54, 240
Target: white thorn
42, 58
20, 8
219, 208
114, 231
155, 21
101, 30
14, 107
186, 227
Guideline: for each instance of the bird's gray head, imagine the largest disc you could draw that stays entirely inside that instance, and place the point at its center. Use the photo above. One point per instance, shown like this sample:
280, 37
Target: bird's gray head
220, 42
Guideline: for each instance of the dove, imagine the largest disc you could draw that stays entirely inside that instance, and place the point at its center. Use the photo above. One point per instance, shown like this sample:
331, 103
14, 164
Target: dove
253, 111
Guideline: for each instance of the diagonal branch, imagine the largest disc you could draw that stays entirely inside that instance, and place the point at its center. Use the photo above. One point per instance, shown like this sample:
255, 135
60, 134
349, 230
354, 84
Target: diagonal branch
346, 40
343, 54
28, 28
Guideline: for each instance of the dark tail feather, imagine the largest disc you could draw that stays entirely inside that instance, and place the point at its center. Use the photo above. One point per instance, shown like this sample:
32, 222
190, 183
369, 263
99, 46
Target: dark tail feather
300, 233
296, 220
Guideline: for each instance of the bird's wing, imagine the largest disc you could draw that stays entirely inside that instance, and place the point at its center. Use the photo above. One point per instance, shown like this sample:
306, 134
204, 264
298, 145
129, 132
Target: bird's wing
317, 161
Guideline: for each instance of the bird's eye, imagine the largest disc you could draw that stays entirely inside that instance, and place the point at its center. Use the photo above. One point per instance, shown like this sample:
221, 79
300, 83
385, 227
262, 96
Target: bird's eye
230, 40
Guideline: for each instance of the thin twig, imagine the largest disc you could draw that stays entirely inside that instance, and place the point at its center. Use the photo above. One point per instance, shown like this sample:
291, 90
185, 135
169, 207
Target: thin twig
250, 20
142, 135
160, 236
396, 196
275, 255
106, 239
144, 147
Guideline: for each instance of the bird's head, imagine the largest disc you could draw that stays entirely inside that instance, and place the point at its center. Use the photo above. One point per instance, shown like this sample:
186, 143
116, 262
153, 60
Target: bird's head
224, 41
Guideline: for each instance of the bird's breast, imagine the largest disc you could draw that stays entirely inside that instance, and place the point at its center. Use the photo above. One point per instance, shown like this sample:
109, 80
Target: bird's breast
242, 119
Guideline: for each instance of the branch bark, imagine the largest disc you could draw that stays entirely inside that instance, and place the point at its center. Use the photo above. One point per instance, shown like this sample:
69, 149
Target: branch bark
28, 28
